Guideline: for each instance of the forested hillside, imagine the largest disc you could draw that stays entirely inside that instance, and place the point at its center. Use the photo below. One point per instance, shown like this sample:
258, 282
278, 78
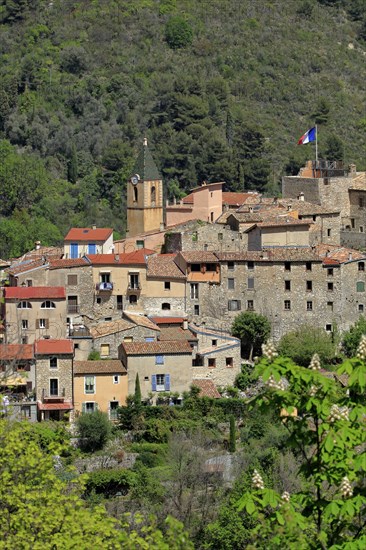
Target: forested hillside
223, 89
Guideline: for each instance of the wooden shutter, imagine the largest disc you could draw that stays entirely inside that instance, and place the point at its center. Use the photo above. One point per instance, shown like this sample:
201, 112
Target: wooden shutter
167, 382
37, 323
153, 382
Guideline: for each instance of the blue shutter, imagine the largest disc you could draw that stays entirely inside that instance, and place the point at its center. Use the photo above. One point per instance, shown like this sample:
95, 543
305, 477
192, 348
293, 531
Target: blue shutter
167, 382
74, 250
153, 382
92, 248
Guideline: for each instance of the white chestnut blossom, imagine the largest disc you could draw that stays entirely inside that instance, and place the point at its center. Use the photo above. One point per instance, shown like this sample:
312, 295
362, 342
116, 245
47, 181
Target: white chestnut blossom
257, 480
269, 350
285, 496
315, 362
338, 413
281, 385
361, 350
346, 488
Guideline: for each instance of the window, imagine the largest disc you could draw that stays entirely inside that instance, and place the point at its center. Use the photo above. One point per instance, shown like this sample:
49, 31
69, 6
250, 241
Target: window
153, 195
74, 250
135, 194
167, 285
230, 266
287, 285
119, 302
24, 323
128, 339
92, 248
195, 267
134, 281
104, 350
108, 318
328, 328
105, 277
361, 308
308, 266
29, 282
42, 323
329, 232
211, 217
234, 305
229, 361
361, 229
250, 265
287, 266
250, 305
24, 340
361, 266
360, 286
89, 407
211, 362
140, 244
330, 287
132, 299
160, 382
287, 304
72, 304
159, 359
113, 410
165, 306
250, 283
194, 291
309, 286
25, 411
360, 202
89, 382
53, 363
353, 223
72, 280
205, 247
231, 284
99, 300
115, 379
309, 306
24, 305
53, 386
48, 305
330, 272
330, 306
196, 309
220, 236
214, 343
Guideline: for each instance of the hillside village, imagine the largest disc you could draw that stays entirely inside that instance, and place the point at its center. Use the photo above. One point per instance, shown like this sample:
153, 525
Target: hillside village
161, 301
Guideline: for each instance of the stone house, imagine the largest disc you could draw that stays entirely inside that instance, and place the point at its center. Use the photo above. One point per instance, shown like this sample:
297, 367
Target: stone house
34, 312
54, 378
162, 366
165, 286
85, 240
100, 385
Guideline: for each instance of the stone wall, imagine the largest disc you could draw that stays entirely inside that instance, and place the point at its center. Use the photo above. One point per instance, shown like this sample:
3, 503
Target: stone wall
137, 333
63, 373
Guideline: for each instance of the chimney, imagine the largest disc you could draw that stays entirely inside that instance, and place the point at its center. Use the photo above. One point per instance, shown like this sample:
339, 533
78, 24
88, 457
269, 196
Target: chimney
37, 245
116, 257
94, 226
350, 256
162, 226
185, 324
352, 168
251, 209
289, 207
301, 196
145, 141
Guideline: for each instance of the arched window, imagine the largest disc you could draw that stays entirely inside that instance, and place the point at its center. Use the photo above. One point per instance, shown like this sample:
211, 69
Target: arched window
165, 306
24, 305
153, 196
48, 305
135, 194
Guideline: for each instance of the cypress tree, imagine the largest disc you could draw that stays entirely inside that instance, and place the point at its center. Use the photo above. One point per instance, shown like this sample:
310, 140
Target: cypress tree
137, 398
232, 440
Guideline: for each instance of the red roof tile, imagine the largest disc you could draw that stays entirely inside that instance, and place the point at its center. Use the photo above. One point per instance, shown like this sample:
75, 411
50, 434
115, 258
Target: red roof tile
207, 388
198, 256
152, 348
88, 234
138, 257
53, 347
34, 292
104, 366
65, 406
168, 320
68, 262
9, 352
236, 199
163, 266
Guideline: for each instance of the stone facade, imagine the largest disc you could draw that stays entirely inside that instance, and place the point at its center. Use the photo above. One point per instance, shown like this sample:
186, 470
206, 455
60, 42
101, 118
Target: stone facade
54, 383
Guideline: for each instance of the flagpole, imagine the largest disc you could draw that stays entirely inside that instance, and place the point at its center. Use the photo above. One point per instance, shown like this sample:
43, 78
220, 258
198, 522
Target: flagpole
316, 146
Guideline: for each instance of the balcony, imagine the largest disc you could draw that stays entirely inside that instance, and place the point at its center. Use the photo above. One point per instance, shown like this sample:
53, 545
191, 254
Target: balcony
105, 287
53, 397
134, 289
72, 308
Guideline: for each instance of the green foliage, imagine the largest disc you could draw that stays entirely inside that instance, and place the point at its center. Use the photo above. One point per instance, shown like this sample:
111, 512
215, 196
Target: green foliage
244, 378
253, 330
94, 429
352, 338
301, 344
137, 396
232, 439
178, 32
334, 148
94, 355
109, 483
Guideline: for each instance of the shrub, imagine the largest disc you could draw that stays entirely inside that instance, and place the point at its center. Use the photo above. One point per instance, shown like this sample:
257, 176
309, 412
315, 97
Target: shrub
110, 482
301, 344
178, 33
94, 430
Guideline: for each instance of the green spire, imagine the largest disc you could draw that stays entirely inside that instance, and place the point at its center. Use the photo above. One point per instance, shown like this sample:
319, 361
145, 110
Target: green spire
145, 165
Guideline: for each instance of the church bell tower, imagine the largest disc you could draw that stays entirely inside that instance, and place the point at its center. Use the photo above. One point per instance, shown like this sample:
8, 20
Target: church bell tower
144, 195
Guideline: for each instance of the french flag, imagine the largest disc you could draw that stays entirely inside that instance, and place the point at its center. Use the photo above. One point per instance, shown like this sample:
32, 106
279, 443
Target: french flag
309, 136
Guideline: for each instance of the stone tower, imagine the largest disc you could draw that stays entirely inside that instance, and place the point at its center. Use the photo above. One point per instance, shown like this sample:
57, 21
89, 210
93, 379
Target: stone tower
144, 195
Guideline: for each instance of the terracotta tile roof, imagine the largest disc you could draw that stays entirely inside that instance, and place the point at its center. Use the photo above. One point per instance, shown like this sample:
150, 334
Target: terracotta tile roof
207, 388
141, 320
284, 221
168, 320
188, 199
88, 234
106, 366
306, 208
39, 253
138, 257
64, 406
110, 327
163, 266
53, 347
26, 266
9, 352
68, 262
338, 254
34, 292
246, 217
198, 256
236, 199
280, 254
175, 333
153, 348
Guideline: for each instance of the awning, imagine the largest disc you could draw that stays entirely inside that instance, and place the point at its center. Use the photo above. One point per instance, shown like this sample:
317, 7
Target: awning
66, 406
13, 380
